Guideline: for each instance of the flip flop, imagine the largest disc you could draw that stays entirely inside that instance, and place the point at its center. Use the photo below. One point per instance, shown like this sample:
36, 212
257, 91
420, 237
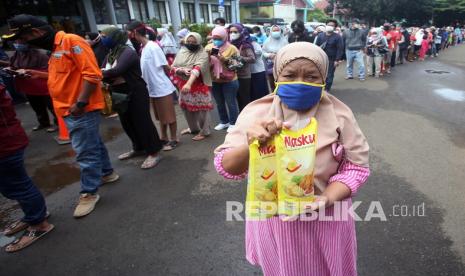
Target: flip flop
171, 145
150, 162
51, 129
186, 131
199, 137
18, 226
129, 154
33, 234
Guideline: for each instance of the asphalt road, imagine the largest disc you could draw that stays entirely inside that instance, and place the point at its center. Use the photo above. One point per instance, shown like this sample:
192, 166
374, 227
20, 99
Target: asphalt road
171, 220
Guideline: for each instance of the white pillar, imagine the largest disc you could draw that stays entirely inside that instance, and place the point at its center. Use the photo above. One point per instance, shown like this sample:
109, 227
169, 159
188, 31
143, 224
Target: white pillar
89, 10
151, 9
175, 15
111, 11
197, 11
210, 17
238, 11
131, 10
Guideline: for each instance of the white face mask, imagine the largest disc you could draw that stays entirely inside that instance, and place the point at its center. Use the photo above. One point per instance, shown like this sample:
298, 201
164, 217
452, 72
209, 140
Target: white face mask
329, 29
234, 36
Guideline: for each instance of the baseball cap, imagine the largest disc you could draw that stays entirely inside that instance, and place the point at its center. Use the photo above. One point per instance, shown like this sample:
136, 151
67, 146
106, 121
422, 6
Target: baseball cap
21, 23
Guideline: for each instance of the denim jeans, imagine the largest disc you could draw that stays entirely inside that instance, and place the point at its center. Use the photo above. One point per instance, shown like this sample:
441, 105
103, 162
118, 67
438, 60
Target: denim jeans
330, 76
91, 153
15, 184
225, 94
357, 56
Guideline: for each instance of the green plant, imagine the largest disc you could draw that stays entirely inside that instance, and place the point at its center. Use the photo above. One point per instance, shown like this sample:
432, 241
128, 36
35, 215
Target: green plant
154, 23
203, 29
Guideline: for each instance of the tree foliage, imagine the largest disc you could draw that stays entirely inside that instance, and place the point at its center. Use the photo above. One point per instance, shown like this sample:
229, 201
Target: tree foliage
418, 12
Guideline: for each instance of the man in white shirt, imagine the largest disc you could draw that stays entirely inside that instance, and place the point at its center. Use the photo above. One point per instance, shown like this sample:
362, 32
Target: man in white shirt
155, 68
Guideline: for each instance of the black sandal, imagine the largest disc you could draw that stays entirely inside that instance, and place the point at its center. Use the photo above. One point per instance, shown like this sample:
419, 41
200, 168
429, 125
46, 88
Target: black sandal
171, 145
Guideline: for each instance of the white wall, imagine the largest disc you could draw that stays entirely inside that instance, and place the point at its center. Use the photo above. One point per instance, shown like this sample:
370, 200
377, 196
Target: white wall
286, 12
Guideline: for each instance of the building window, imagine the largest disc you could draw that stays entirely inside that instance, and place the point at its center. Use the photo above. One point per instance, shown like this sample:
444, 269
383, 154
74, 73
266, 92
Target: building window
204, 13
100, 12
189, 13
160, 12
121, 11
226, 14
140, 10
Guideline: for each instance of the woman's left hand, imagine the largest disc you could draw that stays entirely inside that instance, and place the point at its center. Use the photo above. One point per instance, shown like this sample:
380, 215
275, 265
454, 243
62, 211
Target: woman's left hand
186, 89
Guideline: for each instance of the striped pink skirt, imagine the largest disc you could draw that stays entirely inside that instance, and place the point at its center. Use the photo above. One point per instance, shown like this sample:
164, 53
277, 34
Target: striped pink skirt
316, 247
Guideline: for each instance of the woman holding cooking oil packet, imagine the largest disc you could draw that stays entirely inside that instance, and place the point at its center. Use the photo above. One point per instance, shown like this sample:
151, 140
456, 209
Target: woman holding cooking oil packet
305, 153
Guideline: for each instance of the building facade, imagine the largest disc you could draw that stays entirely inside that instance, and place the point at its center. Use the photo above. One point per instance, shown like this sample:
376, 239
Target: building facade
91, 15
289, 10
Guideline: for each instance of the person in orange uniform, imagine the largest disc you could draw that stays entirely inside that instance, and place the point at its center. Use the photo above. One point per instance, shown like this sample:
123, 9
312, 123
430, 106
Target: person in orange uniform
74, 84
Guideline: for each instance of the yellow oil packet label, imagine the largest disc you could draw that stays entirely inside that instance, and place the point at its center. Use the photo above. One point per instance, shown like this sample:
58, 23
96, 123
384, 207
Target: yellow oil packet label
295, 154
262, 193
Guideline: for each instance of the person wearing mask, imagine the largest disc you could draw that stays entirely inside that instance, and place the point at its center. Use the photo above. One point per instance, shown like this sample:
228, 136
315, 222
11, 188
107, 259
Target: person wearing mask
283, 245
240, 38
36, 90
257, 33
418, 41
74, 80
272, 45
404, 44
100, 51
333, 46
391, 39
424, 48
395, 38
225, 83
355, 40
121, 69
376, 48
15, 183
155, 71
299, 33
259, 85
192, 70
438, 41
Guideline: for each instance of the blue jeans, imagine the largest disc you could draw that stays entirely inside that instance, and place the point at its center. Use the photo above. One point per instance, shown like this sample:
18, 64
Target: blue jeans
16, 184
91, 153
226, 94
357, 56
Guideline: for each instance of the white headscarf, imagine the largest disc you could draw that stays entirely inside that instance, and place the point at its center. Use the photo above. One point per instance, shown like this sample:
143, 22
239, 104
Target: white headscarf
167, 41
273, 45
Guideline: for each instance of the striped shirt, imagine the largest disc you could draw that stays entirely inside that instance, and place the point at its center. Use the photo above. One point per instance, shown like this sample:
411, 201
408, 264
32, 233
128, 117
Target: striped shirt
316, 247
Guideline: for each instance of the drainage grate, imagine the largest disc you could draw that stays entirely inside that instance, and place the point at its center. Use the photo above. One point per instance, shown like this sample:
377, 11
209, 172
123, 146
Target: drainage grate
429, 71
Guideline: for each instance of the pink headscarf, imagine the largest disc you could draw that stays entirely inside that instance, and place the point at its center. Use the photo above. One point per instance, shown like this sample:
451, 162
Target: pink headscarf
222, 33
336, 123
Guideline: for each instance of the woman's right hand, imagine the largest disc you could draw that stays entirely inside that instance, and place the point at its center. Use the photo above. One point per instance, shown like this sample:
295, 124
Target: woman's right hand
263, 130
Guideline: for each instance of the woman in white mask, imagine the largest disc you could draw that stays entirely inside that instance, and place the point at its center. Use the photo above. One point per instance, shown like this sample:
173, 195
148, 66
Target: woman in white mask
240, 37
272, 45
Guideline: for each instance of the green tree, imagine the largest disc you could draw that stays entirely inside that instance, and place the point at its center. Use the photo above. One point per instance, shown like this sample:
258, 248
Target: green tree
317, 15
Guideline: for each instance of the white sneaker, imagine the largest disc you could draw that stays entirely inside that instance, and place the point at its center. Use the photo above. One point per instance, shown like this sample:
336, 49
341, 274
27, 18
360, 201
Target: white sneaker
230, 128
221, 126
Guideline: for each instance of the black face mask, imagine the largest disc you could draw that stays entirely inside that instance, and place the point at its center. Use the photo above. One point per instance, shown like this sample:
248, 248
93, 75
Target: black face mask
192, 47
136, 44
46, 41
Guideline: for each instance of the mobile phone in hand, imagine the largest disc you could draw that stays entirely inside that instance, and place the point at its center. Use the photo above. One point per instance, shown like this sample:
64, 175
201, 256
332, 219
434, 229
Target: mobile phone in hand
215, 51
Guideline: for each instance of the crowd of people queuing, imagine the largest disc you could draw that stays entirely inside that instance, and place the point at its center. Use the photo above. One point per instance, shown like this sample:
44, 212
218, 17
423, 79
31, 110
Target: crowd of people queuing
149, 69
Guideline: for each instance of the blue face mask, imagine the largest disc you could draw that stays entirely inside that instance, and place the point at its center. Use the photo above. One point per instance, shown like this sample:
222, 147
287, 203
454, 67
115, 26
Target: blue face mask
108, 42
299, 96
218, 42
21, 47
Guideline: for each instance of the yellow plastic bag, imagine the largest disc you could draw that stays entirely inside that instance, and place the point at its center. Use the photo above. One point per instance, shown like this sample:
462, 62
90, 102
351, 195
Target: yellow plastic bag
295, 154
262, 194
